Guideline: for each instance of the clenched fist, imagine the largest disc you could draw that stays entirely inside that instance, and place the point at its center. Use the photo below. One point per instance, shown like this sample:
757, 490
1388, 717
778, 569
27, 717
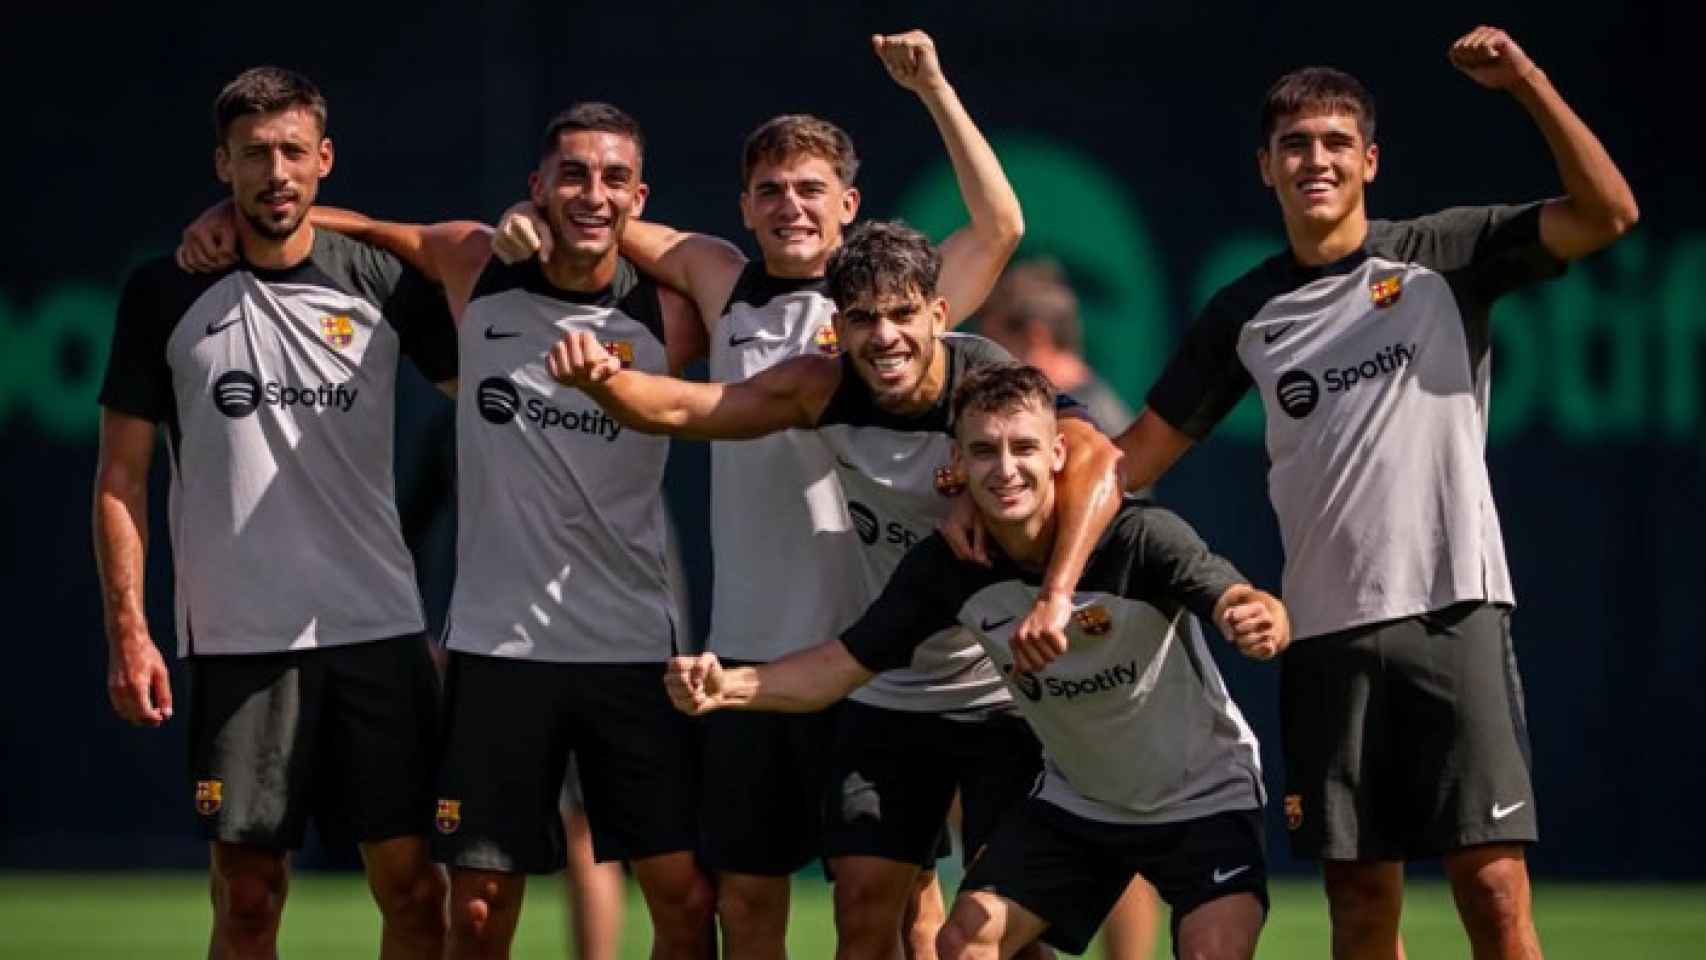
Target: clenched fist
910, 59
579, 360
521, 233
695, 684
1491, 58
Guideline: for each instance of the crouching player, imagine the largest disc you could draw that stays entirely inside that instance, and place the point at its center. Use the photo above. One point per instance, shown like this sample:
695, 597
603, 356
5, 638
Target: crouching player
1150, 767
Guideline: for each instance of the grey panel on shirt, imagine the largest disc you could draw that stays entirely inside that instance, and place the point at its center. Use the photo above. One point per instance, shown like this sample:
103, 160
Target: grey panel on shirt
277, 388
1373, 372
1136, 724
786, 558
560, 544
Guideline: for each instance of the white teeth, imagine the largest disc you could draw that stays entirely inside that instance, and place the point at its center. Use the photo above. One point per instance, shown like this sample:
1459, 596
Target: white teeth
888, 363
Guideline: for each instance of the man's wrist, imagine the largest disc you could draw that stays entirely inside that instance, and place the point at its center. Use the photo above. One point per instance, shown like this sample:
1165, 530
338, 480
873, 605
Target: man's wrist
1528, 83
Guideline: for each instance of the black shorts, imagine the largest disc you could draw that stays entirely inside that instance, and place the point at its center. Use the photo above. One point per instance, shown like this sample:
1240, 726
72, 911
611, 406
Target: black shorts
764, 776
1406, 739
344, 734
511, 726
1070, 871
893, 775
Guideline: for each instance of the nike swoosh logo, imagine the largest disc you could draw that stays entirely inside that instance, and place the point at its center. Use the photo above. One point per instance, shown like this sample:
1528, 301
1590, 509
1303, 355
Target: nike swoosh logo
1221, 876
997, 624
214, 328
493, 333
1499, 813
1272, 335
735, 341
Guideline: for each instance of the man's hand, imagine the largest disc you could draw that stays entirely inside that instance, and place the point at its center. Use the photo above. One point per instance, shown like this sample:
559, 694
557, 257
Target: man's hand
1255, 621
964, 530
137, 682
210, 243
1041, 636
580, 361
522, 233
910, 59
1491, 58
695, 684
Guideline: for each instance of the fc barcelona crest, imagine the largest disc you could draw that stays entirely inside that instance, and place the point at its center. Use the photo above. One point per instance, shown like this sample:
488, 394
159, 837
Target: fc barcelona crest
337, 329
1293, 811
1385, 292
209, 796
622, 350
1093, 620
827, 343
449, 816
948, 482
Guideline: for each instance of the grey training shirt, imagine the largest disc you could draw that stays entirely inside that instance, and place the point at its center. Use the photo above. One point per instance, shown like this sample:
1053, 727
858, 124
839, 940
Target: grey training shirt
1135, 721
1373, 374
277, 389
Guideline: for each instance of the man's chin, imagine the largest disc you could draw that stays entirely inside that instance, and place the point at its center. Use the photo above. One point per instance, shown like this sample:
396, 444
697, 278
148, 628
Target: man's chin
271, 228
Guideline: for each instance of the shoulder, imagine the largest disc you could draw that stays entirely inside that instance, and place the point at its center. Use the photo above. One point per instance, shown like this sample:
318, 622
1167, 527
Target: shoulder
358, 268
160, 287
1234, 304
755, 287
970, 351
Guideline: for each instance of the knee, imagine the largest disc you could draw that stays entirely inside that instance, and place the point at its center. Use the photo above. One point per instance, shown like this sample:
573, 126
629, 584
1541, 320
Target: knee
956, 942
1358, 896
683, 901
752, 906
1495, 894
862, 906
414, 900
250, 897
477, 910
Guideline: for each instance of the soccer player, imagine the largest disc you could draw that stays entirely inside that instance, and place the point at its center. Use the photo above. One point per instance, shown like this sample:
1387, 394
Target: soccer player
882, 407
563, 609
1150, 766
778, 514
1368, 343
312, 694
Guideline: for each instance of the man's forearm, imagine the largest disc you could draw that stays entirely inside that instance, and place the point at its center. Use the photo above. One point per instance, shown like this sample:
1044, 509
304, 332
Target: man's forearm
988, 196
121, 548
1088, 497
1594, 185
802, 682
651, 403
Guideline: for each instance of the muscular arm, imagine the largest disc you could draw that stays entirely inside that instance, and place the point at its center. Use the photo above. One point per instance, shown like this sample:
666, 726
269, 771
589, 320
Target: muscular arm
451, 253
790, 394
1088, 496
703, 267
974, 255
1151, 446
801, 682
683, 334
1598, 206
137, 681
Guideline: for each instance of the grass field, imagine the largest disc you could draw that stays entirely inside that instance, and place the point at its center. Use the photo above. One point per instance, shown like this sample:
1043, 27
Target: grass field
140, 916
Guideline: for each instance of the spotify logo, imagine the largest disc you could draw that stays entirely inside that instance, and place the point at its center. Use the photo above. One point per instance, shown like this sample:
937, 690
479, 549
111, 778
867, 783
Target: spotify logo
864, 520
1298, 393
498, 400
237, 393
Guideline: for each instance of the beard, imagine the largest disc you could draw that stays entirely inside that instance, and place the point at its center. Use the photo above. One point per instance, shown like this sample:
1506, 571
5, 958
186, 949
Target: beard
275, 229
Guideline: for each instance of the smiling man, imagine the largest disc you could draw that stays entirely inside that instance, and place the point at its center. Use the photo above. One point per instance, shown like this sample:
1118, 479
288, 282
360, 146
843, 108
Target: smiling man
882, 408
1368, 342
1150, 767
312, 696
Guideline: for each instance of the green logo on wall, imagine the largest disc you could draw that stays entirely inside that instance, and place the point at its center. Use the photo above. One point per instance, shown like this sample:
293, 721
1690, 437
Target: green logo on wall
1612, 351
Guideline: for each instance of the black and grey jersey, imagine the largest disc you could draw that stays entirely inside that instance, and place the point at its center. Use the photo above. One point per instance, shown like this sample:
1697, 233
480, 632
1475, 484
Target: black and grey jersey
894, 472
1373, 372
781, 540
1135, 721
560, 551
277, 389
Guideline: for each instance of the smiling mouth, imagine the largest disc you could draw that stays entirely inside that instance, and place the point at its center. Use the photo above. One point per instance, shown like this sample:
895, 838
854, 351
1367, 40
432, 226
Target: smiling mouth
889, 364
1316, 187
587, 221
793, 234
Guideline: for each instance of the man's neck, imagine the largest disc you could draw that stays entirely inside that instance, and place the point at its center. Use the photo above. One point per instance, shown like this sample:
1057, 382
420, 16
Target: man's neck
1317, 247
579, 275
269, 254
1028, 543
795, 269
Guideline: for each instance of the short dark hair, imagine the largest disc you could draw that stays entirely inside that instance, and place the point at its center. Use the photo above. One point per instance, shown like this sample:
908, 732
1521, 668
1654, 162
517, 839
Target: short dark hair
1318, 90
882, 256
1002, 388
1035, 291
592, 115
792, 134
265, 90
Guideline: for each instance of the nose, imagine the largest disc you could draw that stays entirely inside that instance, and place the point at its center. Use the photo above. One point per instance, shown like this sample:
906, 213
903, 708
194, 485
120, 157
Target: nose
790, 203
1316, 154
278, 170
885, 331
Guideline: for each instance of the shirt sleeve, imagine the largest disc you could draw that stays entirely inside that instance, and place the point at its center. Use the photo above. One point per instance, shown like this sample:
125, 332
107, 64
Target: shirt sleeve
138, 380
1205, 378
1497, 246
1176, 563
419, 311
915, 605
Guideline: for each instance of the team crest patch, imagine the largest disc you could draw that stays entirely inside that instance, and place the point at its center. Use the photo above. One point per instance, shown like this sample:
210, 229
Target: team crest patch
1385, 292
449, 816
622, 350
948, 482
337, 329
1093, 620
827, 343
209, 796
1293, 811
